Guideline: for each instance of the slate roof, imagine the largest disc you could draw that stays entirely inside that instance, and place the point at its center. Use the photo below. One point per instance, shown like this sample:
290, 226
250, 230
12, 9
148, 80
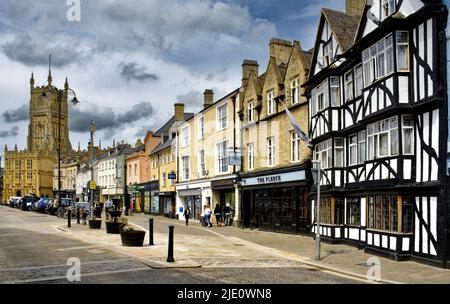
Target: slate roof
166, 126
161, 146
344, 27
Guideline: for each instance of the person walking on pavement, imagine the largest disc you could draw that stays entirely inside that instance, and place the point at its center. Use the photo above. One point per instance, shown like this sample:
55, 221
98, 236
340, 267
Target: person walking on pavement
227, 212
208, 213
108, 206
218, 215
187, 214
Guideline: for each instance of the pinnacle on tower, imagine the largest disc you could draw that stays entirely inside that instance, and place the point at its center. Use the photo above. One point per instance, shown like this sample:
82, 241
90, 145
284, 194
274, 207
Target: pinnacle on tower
32, 81
66, 85
49, 78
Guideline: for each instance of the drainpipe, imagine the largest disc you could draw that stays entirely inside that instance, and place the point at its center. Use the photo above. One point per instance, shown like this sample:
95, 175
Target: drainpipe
447, 3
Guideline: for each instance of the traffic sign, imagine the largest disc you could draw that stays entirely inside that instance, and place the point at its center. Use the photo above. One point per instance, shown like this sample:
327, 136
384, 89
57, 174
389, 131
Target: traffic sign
92, 185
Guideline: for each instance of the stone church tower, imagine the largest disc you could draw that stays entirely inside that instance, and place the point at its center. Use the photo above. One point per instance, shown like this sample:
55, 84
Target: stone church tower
43, 128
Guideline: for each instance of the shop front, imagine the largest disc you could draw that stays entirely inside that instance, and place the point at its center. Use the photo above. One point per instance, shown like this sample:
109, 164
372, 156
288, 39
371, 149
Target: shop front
167, 204
193, 196
141, 195
276, 200
224, 194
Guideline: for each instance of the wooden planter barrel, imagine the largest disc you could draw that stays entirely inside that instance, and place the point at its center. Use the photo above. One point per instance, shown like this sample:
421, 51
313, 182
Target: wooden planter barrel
113, 228
134, 238
95, 224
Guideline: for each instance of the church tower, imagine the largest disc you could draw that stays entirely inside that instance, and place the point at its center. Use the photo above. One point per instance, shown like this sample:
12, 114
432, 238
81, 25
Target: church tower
43, 128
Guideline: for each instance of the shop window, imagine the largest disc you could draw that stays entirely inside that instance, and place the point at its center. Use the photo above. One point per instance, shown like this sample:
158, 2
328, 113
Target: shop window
353, 212
408, 213
383, 212
339, 211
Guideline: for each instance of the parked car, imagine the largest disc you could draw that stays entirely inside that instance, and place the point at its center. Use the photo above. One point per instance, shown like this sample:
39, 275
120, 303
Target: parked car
43, 204
26, 202
13, 201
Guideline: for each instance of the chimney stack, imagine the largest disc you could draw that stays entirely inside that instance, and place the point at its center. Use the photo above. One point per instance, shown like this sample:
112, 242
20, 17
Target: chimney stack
209, 98
280, 49
179, 112
248, 66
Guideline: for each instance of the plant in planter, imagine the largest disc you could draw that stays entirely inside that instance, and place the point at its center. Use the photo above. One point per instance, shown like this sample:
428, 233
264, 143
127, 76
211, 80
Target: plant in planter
113, 226
94, 223
131, 237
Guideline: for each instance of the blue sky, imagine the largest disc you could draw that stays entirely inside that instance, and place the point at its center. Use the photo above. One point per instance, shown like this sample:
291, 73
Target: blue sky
128, 55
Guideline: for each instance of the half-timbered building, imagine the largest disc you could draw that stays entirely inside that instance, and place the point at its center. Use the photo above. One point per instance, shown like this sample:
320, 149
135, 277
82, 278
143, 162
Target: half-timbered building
378, 123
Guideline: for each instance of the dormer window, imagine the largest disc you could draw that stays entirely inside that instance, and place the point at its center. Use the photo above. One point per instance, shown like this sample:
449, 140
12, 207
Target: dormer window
328, 53
387, 8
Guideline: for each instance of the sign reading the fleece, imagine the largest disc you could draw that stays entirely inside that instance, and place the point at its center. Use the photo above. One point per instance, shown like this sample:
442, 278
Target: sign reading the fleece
276, 178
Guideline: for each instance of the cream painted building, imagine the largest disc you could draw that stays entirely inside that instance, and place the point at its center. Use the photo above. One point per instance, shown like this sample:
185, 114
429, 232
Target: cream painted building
204, 145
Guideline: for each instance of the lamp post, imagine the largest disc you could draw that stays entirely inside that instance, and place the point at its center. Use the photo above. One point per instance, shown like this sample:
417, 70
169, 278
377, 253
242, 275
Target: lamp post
317, 172
92, 129
74, 101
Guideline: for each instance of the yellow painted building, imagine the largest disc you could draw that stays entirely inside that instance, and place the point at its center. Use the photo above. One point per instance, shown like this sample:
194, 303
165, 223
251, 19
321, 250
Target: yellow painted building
164, 164
204, 144
30, 171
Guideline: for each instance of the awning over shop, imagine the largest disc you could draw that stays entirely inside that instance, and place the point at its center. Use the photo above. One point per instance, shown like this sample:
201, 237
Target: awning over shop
190, 192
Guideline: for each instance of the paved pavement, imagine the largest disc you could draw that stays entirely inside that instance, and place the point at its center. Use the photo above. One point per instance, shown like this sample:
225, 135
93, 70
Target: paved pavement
35, 248
337, 258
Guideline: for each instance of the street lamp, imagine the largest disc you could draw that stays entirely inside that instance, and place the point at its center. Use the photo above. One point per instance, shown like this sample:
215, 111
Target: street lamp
92, 129
74, 101
317, 173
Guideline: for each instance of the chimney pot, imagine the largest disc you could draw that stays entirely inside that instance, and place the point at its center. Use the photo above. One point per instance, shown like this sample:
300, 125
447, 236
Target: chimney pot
209, 98
179, 111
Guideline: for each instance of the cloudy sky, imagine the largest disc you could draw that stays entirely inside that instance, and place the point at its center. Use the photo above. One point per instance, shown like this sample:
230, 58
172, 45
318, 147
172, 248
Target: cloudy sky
130, 61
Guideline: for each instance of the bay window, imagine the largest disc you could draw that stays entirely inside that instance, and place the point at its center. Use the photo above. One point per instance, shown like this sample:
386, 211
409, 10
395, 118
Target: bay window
408, 134
349, 86
359, 82
323, 154
402, 51
378, 60
335, 92
382, 138
320, 99
361, 147
352, 150
338, 152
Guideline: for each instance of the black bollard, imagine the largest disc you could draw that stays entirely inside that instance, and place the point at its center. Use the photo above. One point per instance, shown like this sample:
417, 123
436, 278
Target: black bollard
69, 215
170, 253
78, 215
150, 229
